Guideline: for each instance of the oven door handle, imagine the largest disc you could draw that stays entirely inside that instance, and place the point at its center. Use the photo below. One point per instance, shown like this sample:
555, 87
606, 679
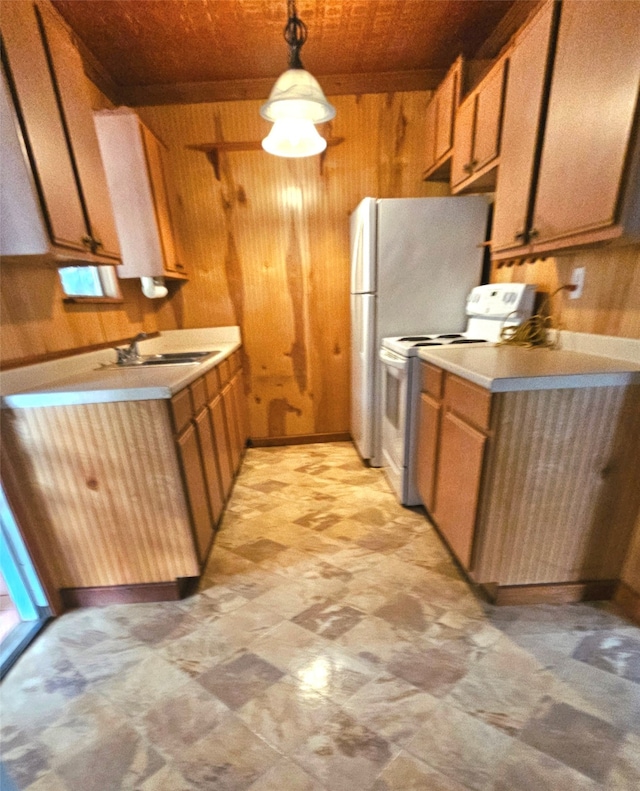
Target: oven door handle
394, 360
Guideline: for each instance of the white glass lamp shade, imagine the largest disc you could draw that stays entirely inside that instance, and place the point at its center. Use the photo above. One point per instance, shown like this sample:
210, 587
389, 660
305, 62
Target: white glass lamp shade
297, 94
294, 138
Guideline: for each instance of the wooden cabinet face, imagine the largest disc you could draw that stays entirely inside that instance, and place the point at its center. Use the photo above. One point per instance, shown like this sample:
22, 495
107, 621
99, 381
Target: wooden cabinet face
430, 133
592, 107
523, 103
461, 164
40, 113
427, 455
486, 144
78, 116
447, 103
231, 420
210, 461
458, 478
189, 452
222, 444
478, 127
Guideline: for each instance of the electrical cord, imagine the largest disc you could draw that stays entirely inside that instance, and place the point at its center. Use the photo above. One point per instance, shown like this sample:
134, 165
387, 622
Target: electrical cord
534, 331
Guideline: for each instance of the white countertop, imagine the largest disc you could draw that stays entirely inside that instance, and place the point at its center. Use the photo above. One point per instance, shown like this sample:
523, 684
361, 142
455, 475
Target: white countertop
503, 369
84, 379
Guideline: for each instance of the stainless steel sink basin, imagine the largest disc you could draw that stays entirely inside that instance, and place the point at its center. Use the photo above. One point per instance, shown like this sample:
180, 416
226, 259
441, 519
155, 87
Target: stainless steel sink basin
166, 358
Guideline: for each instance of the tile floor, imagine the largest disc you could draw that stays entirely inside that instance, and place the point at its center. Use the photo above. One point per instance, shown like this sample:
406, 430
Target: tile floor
333, 646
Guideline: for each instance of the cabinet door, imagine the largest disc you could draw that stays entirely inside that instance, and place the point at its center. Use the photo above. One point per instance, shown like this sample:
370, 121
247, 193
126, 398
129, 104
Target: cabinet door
486, 140
218, 423
241, 411
78, 116
461, 164
430, 133
592, 107
192, 468
231, 419
427, 455
458, 484
160, 198
211, 463
522, 108
447, 98
45, 134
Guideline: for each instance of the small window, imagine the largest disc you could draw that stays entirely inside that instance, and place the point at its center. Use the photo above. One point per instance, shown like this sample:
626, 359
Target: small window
90, 282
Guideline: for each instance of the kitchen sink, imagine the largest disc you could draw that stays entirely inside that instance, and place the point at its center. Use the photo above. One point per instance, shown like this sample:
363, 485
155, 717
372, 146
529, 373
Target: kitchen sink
165, 358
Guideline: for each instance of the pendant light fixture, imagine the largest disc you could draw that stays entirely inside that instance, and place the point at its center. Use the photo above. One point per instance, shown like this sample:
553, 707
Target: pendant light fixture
296, 101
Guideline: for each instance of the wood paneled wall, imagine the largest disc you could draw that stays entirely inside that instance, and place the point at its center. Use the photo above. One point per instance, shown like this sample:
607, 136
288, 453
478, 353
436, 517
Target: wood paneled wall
35, 323
610, 302
269, 244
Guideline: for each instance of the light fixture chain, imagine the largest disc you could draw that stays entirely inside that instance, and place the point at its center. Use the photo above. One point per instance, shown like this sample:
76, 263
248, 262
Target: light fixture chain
295, 34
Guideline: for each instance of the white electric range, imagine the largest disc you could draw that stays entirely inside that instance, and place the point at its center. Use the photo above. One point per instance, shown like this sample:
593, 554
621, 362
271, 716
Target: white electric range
489, 309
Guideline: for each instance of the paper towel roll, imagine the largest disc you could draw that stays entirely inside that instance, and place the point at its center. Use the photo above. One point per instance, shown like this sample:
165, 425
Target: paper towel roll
153, 287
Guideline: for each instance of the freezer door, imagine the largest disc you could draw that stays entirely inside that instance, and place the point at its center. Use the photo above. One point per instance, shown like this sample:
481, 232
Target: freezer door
363, 382
363, 247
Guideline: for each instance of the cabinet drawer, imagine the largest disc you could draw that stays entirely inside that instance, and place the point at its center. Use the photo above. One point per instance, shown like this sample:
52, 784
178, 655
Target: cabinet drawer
198, 394
212, 384
468, 401
432, 380
181, 409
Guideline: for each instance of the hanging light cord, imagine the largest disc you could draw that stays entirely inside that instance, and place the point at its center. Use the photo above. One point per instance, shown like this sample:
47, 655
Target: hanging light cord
295, 34
535, 330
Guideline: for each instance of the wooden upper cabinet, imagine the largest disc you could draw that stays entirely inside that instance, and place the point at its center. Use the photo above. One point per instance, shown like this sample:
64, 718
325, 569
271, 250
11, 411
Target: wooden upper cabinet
522, 108
138, 180
439, 124
570, 163
592, 113
477, 133
52, 106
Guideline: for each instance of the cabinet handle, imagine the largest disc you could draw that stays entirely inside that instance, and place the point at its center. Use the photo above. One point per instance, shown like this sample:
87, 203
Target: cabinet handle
520, 235
533, 233
468, 168
178, 266
91, 243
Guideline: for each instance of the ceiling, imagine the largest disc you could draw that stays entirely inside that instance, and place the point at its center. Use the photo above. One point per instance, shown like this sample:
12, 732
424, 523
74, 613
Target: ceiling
203, 50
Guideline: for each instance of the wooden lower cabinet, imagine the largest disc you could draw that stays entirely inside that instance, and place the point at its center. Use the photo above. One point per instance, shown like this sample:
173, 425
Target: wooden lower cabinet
429, 432
123, 497
196, 489
221, 438
458, 483
535, 492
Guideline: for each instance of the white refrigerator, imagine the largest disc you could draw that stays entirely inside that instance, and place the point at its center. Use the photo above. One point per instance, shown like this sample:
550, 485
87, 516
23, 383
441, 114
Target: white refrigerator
413, 263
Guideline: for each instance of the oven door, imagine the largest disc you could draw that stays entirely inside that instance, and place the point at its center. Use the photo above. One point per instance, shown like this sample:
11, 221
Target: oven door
395, 375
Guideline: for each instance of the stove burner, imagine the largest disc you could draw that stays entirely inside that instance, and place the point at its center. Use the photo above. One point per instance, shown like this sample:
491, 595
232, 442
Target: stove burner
429, 343
469, 340
416, 338
452, 335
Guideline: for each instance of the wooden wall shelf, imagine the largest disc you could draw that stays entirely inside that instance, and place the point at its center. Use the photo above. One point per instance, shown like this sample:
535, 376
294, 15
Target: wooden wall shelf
212, 150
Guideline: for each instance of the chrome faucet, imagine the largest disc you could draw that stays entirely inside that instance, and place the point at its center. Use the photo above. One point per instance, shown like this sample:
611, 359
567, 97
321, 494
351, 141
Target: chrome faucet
130, 353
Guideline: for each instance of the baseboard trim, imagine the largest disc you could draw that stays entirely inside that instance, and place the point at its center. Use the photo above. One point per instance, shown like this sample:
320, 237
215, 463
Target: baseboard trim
127, 594
299, 439
628, 601
551, 593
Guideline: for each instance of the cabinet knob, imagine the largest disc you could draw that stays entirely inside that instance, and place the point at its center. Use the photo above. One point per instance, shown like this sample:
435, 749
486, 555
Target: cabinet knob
520, 236
533, 233
468, 168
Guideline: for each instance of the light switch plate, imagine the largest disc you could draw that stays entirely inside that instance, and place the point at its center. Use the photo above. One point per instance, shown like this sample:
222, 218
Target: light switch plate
577, 280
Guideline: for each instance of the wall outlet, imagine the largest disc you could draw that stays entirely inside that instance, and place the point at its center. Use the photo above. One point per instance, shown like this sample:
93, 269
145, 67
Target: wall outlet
577, 280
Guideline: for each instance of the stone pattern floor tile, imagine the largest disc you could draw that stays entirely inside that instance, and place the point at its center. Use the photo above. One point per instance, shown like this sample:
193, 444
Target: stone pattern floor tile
332, 645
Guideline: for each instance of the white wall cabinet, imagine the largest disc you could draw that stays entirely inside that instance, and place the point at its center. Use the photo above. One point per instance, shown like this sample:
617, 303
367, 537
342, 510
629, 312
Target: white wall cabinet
141, 191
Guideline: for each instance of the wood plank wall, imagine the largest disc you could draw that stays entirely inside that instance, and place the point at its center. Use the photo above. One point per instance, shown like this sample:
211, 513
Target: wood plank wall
610, 302
269, 244
35, 323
